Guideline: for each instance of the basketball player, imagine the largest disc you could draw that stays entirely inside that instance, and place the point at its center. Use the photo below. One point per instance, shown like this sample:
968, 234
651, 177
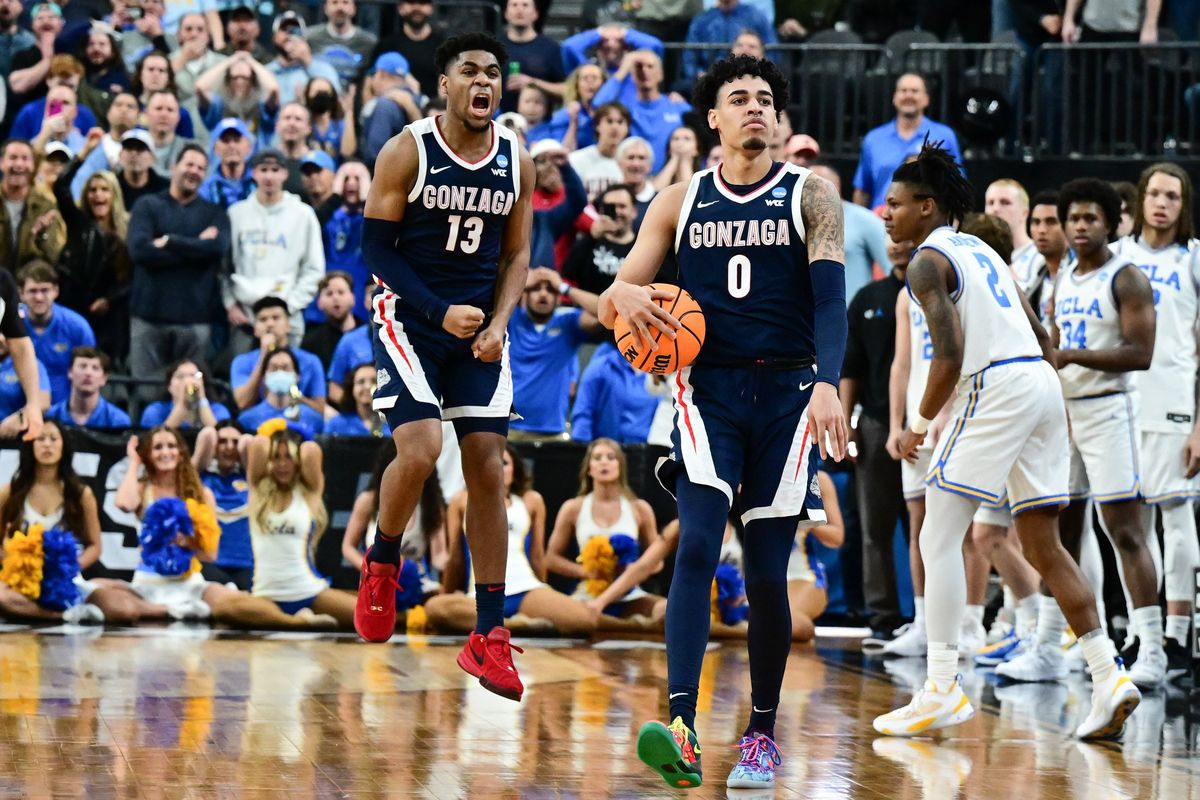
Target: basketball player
1008, 200
1103, 329
1053, 252
1162, 246
447, 239
760, 248
1008, 431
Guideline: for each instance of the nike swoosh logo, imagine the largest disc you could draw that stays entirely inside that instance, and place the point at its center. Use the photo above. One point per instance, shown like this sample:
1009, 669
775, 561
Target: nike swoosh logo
677, 694
761, 710
495, 588
706, 205
436, 170
804, 386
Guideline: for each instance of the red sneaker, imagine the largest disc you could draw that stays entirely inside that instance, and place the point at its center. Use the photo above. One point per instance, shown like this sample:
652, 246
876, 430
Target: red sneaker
375, 611
489, 658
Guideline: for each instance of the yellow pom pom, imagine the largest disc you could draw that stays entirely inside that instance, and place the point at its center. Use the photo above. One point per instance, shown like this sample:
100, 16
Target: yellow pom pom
272, 426
714, 608
597, 558
415, 621
22, 567
206, 532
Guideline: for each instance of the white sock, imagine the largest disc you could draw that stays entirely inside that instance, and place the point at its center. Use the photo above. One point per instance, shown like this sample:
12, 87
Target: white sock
972, 617
1177, 628
1147, 623
1100, 653
1027, 614
943, 665
918, 611
1051, 623
1010, 599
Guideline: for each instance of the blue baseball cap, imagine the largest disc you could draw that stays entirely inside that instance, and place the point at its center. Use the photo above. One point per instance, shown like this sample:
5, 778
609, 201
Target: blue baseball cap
319, 159
231, 124
391, 62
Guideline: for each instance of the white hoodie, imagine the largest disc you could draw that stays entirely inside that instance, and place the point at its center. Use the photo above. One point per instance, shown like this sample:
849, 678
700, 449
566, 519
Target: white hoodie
277, 250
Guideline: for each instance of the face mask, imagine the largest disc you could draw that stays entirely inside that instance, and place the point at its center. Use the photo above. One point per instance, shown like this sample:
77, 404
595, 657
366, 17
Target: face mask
321, 103
280, 381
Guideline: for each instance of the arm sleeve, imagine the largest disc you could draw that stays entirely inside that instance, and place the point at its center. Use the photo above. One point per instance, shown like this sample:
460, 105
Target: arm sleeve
643, 41
11, 324
829, 317
563, 215
379, 251
64, 194
614, 89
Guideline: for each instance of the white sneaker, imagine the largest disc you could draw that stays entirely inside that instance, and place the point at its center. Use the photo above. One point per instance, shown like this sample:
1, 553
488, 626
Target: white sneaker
999, 631
1113, 700
1150, 670
970, 639
910, 641
1041, 662
82, 614
939, 770
189, 608
928, 711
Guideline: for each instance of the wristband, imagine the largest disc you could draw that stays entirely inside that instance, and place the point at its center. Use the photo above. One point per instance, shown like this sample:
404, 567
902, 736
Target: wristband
920, 425
564, 289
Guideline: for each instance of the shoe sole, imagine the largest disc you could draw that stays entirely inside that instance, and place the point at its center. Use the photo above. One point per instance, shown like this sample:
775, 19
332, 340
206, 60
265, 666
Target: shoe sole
1117, 723
746, 783
957, 718
1039, 679
657, 749
466, 666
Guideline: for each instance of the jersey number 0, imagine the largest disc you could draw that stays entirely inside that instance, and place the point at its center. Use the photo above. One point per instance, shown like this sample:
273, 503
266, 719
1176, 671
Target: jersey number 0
472, 230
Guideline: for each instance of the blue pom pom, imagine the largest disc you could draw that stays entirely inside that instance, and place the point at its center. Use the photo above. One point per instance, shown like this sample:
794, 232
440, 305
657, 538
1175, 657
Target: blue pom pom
59, 568
625, 548
409, 594
163, 520
731, 594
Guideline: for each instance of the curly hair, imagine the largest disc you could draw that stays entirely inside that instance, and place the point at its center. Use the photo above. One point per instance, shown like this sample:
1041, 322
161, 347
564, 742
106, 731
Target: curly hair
730, 68
936, 175
1091, 190
452, 48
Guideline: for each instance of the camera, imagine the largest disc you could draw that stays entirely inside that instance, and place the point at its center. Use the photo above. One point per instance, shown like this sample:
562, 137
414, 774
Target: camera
609, 210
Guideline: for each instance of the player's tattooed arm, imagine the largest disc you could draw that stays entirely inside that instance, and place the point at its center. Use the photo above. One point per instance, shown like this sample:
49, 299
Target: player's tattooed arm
928, 280
824, 228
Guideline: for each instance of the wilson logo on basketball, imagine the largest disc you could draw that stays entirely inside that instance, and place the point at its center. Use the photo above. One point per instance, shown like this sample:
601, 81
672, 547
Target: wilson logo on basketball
672, 354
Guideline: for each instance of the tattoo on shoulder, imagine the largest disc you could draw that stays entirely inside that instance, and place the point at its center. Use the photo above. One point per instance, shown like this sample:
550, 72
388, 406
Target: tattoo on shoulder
822, 211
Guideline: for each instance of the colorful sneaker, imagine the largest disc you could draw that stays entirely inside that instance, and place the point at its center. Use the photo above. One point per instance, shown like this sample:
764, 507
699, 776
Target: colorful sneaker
1113, 700
756, 768
375, 610
671, 751
929, 710
489, 658
1001, 651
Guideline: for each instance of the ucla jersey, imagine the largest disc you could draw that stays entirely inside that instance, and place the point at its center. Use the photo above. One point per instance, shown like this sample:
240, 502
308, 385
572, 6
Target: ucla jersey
1167, 390
1085, 311
989, 308
453, 225
920, 349
744, 260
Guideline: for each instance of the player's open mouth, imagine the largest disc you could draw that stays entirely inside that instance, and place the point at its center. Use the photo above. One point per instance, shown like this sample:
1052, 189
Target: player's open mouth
481, 102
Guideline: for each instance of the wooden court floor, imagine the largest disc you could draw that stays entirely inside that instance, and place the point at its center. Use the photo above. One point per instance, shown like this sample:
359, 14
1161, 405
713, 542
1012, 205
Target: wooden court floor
188, 712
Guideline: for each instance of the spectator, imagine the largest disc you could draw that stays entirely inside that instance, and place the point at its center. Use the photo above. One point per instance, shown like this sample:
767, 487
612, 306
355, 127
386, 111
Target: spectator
634, 157
52, 161
596, 258
122, 117
58, 124
193, 58
292, 131
294, 64
273, 332
88, 375
683, 160
597, 165
54, 329
243, 88
777, 145
533, 106
866, 241
748, 43
277, 246
885, 148
801, 149
30, 68
638, 85
721, 24
12, 389
177, 241
1111, 21
284, 399
64, 71
177, 11
155, 74
30, 222
94, 269
231, 181
668, 21
544, 341
558, 200
355, 347
612, 400
572, 124
162, 121
392, 106
218, 458
358, 419
610, 43
335, 305
417, 40
242, 33
538, 57
136, 174
713, 159
332, 118
340, 42
317, 173
186, 404
343, 230
141, 34
103, 68
13, 38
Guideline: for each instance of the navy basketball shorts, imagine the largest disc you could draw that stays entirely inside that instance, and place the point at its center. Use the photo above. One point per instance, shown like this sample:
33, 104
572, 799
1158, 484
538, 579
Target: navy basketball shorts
747, 427
422, 372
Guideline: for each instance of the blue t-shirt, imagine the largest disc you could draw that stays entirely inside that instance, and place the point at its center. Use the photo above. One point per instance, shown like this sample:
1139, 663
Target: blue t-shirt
312, 372
352, 349
157, 412
254, 416
350, 425
543, 358
12, 399
653, 120
66, 331
232, 494
866, 244
106, 415
883, 150
612, 400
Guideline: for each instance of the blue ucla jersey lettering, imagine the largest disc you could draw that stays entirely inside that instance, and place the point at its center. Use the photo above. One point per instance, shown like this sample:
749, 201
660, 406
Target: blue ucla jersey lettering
744, 260
454, 223
1087, 317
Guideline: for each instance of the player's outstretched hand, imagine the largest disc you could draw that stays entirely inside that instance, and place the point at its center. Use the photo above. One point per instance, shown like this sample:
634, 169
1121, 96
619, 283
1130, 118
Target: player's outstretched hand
462, 321
489, 345
826, 420
635, 304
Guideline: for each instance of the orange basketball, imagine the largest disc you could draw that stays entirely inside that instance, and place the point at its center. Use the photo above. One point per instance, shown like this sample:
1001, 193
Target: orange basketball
671, 355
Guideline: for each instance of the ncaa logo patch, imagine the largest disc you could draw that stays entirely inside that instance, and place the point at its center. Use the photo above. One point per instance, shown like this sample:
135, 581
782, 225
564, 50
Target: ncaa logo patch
502, 161
382, 377
778, 191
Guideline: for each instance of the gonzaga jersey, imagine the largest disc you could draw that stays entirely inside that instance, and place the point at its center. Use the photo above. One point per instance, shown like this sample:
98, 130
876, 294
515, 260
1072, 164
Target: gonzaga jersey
993, 320
743, 258
920, 357
454, 222
1167, 391
1085, 311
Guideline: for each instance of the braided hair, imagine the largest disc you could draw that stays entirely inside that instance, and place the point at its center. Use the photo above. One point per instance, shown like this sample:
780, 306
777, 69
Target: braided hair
936, 175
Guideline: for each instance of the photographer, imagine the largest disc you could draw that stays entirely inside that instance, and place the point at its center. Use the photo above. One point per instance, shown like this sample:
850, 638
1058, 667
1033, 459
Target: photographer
595, 259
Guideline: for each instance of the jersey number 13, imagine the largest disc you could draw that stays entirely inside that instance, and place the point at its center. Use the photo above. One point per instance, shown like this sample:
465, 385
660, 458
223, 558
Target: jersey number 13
470, 230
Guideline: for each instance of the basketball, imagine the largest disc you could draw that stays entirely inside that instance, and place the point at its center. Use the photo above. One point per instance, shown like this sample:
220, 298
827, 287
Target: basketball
671, 355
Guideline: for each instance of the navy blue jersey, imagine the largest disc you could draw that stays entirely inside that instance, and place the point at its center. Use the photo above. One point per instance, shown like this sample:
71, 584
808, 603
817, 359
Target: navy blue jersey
743, 258
454, 222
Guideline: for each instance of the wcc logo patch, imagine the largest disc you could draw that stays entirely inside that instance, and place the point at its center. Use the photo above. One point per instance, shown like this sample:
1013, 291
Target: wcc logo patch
382, 377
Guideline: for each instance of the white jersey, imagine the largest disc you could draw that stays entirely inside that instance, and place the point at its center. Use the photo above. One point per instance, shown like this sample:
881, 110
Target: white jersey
518, 574
994, 324
1085, 311
1022, 263
920, 349
283, 569
1167, 391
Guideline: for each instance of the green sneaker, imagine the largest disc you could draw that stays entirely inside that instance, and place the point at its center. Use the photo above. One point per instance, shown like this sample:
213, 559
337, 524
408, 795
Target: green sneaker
673, 752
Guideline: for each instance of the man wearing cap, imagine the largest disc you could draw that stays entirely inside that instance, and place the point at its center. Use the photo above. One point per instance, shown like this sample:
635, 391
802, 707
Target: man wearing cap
317, 171
230, 181
13, 38
391, 109
135, 168
417, 40
539, 58
294, 63
241, 34
277, 248
559, 197
802, 149
340, 42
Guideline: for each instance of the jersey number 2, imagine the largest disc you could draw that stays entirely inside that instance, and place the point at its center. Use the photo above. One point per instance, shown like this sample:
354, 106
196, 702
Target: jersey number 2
739, 276
993, 280
472, 231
